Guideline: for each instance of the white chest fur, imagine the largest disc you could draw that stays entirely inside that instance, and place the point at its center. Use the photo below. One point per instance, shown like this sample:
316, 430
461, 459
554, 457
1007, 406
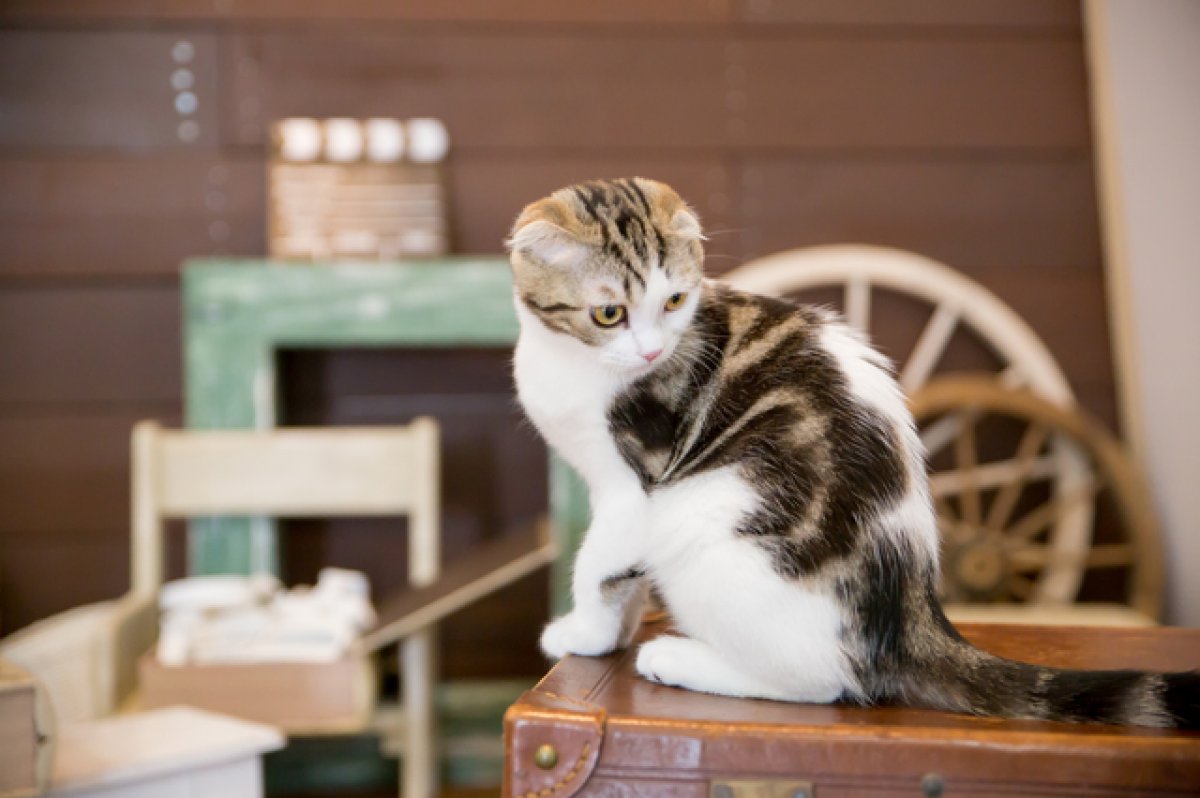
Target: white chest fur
567, 393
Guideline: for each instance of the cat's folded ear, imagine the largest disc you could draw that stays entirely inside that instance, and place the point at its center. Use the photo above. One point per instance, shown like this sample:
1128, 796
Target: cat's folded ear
537, 235
547, 243
681, 221
685, 225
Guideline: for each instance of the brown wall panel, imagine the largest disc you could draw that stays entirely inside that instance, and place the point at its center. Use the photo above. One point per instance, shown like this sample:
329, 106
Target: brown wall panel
147, 247
125, 217
1098, 399
506, 626
823, 91
608, 90
1069, 315
508, 11
86, 345
69, 474
1029, 214
88, 90
521, 89
48, 575
986, 14
831, 91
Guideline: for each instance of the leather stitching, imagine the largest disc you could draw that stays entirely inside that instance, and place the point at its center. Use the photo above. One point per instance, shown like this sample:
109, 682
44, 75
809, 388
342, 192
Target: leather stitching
597, 714
576, 701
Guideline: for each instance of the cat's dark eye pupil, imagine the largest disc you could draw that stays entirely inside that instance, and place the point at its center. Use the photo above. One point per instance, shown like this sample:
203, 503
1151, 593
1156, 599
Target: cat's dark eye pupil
607, 315
675, 300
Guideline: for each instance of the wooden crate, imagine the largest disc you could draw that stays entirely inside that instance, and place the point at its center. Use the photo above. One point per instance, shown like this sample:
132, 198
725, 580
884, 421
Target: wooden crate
297, 697
332, 202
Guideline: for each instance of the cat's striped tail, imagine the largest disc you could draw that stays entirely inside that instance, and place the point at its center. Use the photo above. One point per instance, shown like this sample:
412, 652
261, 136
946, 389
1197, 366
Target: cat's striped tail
959, 677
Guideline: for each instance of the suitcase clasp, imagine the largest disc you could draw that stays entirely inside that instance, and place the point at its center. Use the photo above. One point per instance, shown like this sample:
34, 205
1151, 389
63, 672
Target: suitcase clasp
761, 788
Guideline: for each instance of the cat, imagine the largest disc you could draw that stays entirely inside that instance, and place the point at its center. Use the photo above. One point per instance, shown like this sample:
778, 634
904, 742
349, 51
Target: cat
754, 461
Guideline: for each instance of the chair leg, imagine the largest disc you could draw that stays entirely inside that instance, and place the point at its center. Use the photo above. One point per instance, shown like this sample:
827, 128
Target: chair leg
419, 764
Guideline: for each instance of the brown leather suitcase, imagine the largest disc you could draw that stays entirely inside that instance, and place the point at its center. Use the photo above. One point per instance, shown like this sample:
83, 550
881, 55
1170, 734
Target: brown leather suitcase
593, 727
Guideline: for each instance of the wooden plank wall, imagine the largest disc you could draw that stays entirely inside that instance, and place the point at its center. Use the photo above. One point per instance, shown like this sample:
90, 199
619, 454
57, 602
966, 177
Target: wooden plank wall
956, 129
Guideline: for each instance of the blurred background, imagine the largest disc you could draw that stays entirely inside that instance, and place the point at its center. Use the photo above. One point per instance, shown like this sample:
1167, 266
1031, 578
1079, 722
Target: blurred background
1044, 149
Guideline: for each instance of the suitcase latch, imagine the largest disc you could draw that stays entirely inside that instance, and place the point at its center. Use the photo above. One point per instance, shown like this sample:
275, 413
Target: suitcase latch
761, 788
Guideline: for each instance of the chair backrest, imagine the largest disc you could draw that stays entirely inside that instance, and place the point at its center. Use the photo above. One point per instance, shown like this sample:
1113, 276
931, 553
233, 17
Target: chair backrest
317, 472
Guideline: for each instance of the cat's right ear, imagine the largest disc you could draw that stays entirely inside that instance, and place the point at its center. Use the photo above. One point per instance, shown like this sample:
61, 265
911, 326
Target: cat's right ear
546, 242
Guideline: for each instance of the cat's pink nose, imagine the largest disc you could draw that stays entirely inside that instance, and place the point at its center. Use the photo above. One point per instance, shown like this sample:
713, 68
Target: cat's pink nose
652, 356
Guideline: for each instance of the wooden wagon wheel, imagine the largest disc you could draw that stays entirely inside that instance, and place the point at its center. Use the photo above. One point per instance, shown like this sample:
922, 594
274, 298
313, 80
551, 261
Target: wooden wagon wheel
996, 542
958, 303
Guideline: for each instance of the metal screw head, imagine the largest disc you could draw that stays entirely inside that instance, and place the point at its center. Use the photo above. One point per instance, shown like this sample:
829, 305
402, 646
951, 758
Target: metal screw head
932, 784
545, 756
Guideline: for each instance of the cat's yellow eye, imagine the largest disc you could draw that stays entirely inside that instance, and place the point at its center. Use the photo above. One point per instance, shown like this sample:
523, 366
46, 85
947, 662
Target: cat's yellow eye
608, 315
675, 301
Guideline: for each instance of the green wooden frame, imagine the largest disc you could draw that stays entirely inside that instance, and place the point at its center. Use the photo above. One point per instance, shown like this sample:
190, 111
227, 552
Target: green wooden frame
239, 313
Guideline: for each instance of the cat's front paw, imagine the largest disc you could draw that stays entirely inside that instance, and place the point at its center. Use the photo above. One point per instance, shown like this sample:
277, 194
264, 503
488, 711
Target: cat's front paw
663, 660
576, 633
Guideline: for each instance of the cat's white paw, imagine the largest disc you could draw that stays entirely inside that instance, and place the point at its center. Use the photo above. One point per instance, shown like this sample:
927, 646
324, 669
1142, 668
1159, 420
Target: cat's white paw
663, 660
576, 633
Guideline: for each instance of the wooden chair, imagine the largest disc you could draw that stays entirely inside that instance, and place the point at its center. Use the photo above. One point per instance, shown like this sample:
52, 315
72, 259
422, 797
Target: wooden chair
88, 656
303, 473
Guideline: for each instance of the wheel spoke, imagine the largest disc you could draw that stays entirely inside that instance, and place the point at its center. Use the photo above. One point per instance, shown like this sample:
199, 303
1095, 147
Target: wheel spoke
969, 498
941, 432
929, 348
1006, 500
1012, 377
1038, 557
1045, 514
938, 434
989, 475
858, 303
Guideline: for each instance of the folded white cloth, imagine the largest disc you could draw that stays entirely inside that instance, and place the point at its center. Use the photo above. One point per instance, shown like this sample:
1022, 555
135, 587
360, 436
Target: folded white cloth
200, 593
251, 619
